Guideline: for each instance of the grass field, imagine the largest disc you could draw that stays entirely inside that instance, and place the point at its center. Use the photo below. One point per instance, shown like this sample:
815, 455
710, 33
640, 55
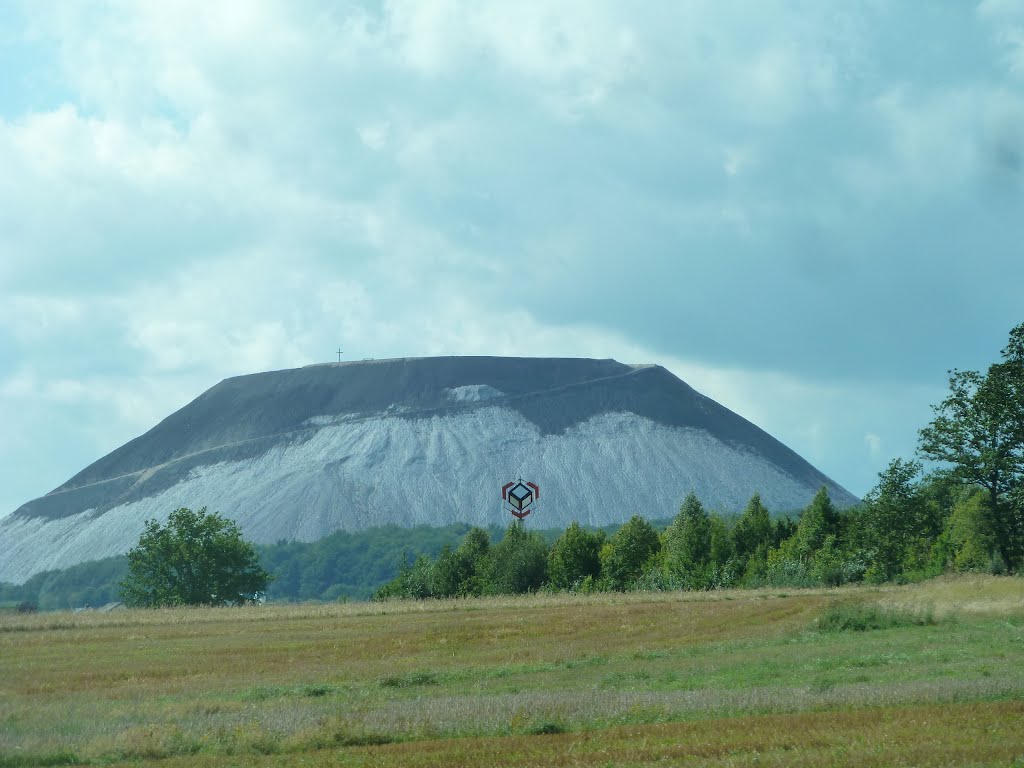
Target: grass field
929, 674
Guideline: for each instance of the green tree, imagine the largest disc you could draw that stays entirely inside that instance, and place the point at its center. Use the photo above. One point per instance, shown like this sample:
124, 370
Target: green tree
413, 581
517, 564
722, 546
784, 529
686, 545
827, 563
575, 556
476, 544
198, 558
894, 515
722, 572
979, 430
474, 550
968, 535
753, 532
817, 522
459, 572
784, 567
627, 553
449, 573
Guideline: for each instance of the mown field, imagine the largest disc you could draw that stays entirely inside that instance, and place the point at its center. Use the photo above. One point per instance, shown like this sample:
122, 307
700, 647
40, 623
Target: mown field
760, 677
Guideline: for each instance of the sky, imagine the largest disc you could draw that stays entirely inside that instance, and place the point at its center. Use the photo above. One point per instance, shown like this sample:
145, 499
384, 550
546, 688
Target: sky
809, 211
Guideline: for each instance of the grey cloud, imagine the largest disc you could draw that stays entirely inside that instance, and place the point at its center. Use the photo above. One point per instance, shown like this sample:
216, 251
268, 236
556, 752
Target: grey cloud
828, 192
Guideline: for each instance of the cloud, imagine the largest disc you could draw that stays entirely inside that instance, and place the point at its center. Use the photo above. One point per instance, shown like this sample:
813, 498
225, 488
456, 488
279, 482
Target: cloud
789, 205
31, 318
1006, 19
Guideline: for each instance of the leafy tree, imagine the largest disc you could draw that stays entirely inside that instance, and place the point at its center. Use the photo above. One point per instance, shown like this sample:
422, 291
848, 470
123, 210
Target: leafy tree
979, 430
345, 564
627, 553
473, 550
785, 528
199, 558
722, 571
460, 572
817, 522
686, 545
413, 581
811, 555
574, 557
517, 564
828, 563
784, 567
449, 573
894, 515
968, 535
722, 545
475, 544
753, 533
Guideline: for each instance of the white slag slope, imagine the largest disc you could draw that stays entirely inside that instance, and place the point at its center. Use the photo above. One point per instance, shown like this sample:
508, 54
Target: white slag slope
405, 464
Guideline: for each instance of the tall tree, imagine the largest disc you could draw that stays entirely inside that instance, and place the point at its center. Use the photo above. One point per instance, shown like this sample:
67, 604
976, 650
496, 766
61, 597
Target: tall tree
575, 556
198, 558
817, 522
476, 544
894, 513
413, 581
968, 534
753, 530
517, 564
686, 546
626, 554
450, 573
460, 572
722, 547
979, 430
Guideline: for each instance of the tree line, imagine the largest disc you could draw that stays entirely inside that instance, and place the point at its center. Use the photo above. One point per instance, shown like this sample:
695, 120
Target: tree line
965, 514
908, 529
346, 565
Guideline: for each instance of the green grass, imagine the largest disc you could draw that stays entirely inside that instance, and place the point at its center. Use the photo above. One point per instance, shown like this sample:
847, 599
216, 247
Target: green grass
448, 681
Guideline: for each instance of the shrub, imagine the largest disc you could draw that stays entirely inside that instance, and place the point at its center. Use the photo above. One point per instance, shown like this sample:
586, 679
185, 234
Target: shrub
410, 680
411, 583
345, 739
997, 566
924, 574
784, 568
827, 563
546, 727
858, 617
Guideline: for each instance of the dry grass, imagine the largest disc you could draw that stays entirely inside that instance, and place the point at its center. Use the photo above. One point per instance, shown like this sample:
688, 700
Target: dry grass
15, 622
974, 735
967, 595
142, 650
296, 681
